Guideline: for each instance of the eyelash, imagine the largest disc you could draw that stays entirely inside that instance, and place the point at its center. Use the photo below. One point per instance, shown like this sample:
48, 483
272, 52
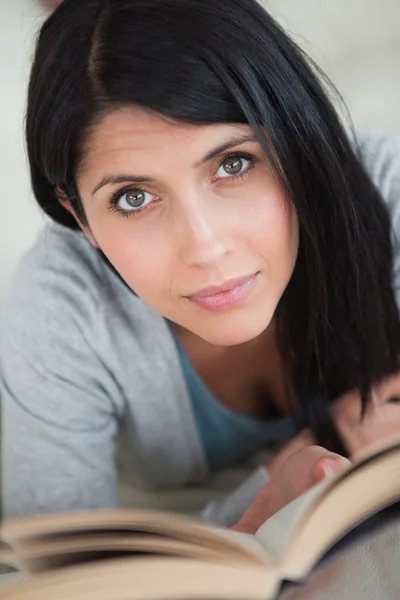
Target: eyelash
115, 198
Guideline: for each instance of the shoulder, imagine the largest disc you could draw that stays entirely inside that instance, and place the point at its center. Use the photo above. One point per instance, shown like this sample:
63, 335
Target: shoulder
380, 154
59, 273
63, 290
59, 253
69, 325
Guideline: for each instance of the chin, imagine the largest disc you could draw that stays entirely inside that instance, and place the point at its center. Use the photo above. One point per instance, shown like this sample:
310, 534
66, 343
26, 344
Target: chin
231, 333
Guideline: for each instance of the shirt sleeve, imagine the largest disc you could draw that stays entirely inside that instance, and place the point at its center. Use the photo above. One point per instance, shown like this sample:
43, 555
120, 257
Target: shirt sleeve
228, 510
59, 415
381, 155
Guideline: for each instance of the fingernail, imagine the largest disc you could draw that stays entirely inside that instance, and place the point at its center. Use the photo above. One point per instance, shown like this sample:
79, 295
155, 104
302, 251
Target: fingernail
328, 469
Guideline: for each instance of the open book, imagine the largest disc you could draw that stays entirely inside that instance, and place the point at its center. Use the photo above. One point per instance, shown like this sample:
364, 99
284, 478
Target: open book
146, 555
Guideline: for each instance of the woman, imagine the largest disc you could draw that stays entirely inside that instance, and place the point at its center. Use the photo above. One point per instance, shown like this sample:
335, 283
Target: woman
218, 273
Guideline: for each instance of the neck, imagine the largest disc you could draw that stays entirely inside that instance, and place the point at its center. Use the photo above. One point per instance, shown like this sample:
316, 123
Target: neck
261, 344
254, 367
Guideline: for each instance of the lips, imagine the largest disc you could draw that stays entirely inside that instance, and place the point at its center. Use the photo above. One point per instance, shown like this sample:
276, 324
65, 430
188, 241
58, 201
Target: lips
230, 284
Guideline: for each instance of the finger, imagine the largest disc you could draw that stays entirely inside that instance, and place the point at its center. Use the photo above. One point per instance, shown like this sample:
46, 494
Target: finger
299, 473
328, 466
267, 502
296, 475
291, 480
302, 440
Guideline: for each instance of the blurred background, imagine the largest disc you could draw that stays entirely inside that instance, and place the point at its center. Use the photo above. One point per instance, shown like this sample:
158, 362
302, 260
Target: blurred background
356, 42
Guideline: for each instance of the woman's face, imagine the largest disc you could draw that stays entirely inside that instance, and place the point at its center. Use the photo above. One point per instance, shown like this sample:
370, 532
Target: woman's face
180, 208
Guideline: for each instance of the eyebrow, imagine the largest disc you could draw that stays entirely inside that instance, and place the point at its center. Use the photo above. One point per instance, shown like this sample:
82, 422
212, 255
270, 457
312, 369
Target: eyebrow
234, 141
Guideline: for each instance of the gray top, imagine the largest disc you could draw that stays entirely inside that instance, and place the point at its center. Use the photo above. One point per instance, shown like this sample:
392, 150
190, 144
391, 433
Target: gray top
79, 354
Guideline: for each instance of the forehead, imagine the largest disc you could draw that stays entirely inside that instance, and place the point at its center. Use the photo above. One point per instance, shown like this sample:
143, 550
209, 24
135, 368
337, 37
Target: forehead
138, 132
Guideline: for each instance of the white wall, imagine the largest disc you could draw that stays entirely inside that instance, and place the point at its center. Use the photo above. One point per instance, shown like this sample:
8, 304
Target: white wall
357, 42
19, 217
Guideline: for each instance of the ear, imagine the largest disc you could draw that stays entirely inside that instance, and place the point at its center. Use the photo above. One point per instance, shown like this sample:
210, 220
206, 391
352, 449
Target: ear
66, 203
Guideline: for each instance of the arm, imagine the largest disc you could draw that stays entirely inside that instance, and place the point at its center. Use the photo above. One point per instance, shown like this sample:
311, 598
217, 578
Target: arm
58, 420
380, 154
227, 511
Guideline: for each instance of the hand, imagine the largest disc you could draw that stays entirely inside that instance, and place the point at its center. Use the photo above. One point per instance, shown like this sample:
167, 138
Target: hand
380, 423
296, 475
304, 439
359, 434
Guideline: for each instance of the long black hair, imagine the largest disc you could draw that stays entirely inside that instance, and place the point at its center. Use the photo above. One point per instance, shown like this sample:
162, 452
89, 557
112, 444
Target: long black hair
215, 61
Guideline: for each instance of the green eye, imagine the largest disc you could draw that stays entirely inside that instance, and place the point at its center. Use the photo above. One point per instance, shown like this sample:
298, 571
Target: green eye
233, 165
133, 199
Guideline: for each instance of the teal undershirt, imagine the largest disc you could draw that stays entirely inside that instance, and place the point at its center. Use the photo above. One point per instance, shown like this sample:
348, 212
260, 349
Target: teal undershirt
228, 437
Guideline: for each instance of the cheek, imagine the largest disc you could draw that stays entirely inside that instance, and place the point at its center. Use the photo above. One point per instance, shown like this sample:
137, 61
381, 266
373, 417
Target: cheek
274, 228
142, 260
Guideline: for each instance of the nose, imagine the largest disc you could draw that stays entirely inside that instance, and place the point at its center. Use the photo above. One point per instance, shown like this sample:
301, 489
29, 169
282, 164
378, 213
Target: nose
202, 235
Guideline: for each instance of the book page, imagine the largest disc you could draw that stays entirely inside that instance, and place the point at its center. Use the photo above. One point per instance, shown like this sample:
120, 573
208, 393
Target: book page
249, 542
277, 532
364, 492
27, 535
47, 554
147, 579
22, 528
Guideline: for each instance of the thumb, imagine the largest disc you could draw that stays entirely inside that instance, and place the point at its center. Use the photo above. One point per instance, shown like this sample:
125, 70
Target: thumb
307, 467
299, 473
327, 466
